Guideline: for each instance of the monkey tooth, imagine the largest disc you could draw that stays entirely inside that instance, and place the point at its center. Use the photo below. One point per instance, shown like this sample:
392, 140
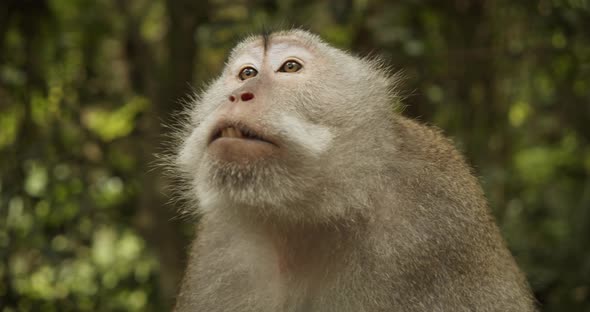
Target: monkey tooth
231, 132
237, 133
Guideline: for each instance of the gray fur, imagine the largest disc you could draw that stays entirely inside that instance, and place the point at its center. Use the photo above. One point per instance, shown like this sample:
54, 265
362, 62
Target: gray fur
387, 218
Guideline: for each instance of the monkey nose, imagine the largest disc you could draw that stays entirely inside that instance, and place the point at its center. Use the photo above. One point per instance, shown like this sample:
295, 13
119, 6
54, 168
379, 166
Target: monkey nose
246, 96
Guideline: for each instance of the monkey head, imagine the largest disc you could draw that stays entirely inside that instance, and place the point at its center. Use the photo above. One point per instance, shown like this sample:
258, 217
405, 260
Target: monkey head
289, 126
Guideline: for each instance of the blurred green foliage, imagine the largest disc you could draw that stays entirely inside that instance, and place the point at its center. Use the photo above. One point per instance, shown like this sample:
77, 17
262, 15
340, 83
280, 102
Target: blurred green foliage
85, 85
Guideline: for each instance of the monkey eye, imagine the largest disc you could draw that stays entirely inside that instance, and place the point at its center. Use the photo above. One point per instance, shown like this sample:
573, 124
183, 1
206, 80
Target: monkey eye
248, 72
290, 66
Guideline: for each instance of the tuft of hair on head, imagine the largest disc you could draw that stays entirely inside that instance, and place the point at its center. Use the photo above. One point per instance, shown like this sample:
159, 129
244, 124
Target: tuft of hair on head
265, 34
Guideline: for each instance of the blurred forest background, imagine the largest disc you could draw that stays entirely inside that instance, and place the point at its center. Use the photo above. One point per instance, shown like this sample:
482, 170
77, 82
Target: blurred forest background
86, 85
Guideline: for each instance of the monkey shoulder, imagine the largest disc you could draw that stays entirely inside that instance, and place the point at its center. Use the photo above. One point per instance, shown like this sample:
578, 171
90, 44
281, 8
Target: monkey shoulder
427, 159
426, 143
432, 182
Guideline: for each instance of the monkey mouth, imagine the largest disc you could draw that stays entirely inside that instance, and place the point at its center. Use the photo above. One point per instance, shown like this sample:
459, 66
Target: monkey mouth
237, 142
237, 131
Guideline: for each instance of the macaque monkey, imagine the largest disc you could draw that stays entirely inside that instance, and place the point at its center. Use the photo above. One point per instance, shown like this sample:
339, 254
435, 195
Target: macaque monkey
316, 196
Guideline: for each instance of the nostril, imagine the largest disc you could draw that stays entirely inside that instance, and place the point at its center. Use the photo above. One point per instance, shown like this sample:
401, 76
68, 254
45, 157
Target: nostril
247, 96
232, 98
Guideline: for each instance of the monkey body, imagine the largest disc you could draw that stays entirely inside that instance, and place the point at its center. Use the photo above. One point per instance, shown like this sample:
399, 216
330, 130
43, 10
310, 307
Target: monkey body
358, 209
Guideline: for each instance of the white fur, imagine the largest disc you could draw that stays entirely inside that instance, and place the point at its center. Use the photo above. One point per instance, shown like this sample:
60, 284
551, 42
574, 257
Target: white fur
315, 138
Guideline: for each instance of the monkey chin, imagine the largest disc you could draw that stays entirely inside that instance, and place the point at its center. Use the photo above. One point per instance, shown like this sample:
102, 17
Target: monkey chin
241, 150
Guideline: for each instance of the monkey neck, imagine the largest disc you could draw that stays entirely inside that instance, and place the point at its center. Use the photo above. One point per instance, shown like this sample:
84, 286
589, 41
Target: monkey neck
310, 249
299, 247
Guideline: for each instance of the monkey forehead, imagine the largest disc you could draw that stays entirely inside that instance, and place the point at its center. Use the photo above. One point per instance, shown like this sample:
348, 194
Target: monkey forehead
256, 45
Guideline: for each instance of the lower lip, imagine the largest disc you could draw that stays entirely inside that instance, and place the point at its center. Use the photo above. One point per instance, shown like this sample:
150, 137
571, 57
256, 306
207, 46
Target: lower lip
241, 150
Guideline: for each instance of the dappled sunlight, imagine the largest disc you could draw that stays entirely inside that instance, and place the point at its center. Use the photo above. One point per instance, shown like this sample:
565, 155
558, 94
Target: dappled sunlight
91, 94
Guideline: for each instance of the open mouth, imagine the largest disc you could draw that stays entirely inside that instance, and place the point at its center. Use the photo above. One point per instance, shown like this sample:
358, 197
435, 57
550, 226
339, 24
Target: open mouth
238, 131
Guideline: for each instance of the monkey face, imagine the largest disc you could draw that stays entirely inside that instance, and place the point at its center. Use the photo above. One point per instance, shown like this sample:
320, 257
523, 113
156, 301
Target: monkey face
283, 117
